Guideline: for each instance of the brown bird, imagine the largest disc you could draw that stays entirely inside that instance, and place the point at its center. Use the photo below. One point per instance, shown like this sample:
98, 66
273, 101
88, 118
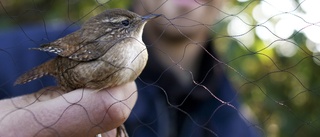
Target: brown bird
106, 51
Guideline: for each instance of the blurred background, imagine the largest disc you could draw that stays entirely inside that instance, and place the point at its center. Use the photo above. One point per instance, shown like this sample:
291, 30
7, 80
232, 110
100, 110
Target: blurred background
270, 50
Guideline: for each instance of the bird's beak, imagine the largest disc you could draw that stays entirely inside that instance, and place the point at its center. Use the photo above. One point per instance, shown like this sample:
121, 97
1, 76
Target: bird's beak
150, 16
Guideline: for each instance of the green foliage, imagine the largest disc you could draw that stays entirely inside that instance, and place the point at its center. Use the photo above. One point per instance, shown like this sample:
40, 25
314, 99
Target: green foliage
283, 92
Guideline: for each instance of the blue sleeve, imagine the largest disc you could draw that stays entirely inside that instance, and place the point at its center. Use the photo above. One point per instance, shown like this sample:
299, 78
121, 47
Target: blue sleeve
221, 119
151, 115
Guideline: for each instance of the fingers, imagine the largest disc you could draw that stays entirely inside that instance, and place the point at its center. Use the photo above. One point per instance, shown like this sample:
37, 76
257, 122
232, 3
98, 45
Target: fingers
26, 100
82, 112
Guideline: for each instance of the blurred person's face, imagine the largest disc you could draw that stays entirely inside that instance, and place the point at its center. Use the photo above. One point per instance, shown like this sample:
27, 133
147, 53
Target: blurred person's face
187, 16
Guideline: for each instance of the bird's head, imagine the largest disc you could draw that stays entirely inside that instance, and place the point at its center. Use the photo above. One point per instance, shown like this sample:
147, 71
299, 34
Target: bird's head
117, 24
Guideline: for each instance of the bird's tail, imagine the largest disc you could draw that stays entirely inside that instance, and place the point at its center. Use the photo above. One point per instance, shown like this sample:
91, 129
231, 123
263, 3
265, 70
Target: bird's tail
46, 68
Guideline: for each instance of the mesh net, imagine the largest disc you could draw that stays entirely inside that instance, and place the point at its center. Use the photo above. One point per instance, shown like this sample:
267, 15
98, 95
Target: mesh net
255, 70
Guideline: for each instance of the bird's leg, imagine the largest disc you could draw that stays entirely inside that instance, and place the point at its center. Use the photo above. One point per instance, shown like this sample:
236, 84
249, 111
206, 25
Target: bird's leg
121, 131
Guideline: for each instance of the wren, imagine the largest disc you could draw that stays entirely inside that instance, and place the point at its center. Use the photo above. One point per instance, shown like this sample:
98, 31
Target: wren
106, 51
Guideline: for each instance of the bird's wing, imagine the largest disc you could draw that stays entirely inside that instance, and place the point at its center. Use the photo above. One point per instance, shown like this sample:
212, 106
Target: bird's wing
77, 47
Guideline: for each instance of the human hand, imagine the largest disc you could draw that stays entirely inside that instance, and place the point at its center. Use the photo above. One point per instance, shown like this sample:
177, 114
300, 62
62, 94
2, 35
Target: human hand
82, 112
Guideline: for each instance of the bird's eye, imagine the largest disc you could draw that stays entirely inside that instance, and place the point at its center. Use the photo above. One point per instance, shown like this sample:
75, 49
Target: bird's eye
125, 22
